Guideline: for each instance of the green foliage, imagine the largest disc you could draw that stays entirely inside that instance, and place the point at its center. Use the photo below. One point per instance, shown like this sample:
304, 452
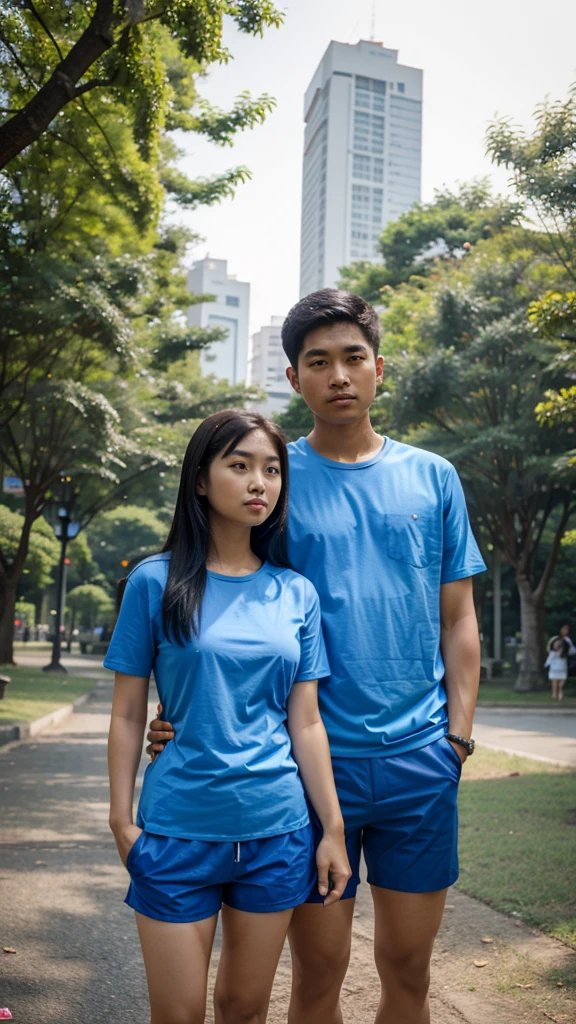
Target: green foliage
544, 175
130, 71
90, 604
124, 534
427, 234
297, 420
43, 553
470, 388
26, 612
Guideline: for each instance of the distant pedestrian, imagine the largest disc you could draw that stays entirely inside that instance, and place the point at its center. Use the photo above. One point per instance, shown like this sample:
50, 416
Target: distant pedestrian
557, 665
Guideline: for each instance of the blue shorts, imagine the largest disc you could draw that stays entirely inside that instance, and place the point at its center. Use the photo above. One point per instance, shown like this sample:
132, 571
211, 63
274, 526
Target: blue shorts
402, 813
184, 880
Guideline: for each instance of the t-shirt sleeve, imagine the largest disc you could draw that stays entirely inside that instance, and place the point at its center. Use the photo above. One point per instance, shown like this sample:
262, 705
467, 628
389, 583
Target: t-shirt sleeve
460, 553
313, 657
132, 647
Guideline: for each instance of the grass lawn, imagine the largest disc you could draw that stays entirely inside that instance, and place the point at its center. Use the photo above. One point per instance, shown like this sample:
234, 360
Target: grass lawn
501, 691
518, 839
33, 693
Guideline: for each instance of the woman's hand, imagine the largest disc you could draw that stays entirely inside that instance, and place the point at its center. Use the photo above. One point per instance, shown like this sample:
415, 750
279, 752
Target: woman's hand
126, 836
333, 866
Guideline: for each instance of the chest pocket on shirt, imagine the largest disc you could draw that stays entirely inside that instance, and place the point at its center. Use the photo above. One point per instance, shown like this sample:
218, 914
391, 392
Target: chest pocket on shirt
413, 539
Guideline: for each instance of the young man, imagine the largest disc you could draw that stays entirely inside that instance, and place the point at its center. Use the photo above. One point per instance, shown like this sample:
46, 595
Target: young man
381, 530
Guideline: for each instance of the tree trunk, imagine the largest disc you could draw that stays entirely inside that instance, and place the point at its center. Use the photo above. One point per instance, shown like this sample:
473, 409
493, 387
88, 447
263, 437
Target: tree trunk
28, 124
531, 675
8, 601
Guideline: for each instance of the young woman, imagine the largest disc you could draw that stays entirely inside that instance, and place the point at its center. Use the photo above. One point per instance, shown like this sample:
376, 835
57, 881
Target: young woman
557, 665
222, 819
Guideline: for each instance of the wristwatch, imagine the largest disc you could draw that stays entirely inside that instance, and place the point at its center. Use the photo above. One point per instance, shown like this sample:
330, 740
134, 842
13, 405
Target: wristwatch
468, 745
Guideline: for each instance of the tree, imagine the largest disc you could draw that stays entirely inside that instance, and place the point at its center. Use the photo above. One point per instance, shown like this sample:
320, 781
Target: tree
469, 390
428, 233
43, 551
60, 57
297, 420
544, 178
88, 603
123, 536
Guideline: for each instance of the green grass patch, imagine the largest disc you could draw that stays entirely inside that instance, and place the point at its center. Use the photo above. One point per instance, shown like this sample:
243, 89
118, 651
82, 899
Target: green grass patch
518, 839
32, 693
501, 691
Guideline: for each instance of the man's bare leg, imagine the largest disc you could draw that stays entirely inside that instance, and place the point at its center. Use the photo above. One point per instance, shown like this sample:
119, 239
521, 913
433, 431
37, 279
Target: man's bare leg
320, 946
405, 927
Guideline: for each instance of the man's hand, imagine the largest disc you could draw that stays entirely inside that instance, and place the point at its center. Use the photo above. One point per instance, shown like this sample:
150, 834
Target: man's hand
160, 733
333, 866
461, 751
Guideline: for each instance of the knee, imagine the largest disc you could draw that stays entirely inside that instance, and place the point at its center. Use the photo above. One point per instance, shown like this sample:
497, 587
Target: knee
177, 1015
406, 969
239, 1008
321, 970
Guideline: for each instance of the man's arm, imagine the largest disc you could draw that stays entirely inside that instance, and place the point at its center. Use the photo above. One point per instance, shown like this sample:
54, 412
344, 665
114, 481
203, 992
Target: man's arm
460, 643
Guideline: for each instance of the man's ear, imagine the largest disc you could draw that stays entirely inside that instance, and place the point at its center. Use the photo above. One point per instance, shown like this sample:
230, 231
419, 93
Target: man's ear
379, 369
293, 378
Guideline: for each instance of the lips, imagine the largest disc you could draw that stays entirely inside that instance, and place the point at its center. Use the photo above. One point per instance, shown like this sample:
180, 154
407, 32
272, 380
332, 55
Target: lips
342, 398
256, 504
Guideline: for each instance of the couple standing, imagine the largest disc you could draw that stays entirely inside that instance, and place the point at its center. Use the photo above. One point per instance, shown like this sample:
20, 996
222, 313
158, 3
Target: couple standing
318, 659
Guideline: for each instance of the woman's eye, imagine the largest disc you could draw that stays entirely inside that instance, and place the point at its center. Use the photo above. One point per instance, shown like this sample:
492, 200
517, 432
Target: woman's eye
238, 465
273, 470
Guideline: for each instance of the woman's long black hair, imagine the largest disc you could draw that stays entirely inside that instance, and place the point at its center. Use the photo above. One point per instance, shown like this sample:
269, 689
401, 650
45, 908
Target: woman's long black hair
189, 536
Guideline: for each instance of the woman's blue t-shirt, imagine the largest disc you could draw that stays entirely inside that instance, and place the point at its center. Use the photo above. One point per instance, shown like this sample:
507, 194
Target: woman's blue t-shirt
229, 774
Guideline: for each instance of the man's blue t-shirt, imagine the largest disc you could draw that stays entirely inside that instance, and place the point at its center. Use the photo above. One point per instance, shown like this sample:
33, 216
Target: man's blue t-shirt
377, 539
229, 774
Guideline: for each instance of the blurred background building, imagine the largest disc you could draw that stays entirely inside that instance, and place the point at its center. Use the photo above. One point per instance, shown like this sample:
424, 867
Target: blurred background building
227, 360
362, 156
267, 367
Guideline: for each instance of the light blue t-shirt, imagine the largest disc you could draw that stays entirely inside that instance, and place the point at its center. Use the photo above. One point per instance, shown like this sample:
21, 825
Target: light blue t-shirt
229, 774
377, 539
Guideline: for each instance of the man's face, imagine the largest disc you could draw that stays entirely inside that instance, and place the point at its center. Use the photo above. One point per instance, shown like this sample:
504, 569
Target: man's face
337, 373
564, 630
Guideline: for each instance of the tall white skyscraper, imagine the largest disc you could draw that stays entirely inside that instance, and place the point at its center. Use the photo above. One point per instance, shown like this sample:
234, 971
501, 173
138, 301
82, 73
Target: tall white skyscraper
362, 156
267, 368
227, 359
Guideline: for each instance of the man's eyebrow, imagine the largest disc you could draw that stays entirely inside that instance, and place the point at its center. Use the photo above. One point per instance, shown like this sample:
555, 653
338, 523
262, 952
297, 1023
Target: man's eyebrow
323, 352
250, 455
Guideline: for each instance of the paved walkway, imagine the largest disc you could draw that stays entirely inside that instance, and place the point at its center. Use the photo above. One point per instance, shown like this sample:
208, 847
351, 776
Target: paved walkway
536, 732
77, 953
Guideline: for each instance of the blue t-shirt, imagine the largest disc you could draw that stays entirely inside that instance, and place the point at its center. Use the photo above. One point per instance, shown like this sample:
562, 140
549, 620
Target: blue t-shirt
377, 539
229, 773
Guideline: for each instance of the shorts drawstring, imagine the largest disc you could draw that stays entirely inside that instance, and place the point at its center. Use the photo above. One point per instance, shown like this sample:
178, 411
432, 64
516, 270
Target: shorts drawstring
237, 853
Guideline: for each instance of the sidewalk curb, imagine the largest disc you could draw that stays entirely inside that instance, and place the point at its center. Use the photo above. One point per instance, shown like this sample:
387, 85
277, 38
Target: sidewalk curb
24, 730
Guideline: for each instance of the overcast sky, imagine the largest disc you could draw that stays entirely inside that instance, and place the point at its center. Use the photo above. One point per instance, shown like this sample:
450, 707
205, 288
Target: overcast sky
499, 57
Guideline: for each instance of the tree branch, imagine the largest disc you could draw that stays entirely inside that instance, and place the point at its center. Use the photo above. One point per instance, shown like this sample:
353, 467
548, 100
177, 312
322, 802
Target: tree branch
34, 118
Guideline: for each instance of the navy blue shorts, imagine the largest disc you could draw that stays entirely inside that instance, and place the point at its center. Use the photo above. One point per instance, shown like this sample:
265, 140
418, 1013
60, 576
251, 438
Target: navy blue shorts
184, 880
401, 812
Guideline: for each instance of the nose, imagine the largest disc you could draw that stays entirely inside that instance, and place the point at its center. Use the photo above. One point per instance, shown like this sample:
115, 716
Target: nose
257, 483
340, 378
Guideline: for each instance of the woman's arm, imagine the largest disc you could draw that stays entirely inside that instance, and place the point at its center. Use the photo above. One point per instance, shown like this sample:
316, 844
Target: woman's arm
312, 755
129, 713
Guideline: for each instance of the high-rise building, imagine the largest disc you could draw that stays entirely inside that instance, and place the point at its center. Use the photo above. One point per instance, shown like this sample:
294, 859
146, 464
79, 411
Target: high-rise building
226, 359
267, 367
362, 156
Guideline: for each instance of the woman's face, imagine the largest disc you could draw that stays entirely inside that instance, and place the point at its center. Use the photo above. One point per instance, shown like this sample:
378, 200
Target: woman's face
244, 486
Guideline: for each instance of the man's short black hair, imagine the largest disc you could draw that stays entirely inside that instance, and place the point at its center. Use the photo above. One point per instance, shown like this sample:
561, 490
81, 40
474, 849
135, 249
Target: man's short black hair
320, 309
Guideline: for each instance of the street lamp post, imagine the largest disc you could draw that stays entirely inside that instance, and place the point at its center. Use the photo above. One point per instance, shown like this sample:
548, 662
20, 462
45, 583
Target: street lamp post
65, 529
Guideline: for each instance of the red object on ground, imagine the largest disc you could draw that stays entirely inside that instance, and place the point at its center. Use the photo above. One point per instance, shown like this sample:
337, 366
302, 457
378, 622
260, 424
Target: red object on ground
5, 1013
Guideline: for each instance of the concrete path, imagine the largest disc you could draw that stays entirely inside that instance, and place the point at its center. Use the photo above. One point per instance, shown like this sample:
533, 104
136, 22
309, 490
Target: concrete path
535, 732
77, 956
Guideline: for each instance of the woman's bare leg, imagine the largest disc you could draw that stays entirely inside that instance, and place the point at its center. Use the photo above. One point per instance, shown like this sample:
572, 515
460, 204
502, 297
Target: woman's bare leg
251, 948
176, 957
